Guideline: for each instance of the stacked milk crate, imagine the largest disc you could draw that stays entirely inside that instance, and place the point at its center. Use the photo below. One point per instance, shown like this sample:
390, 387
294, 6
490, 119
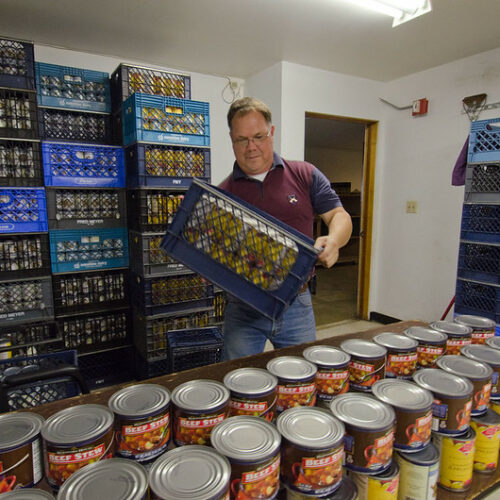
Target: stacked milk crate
478, 283
166, 140
86, 208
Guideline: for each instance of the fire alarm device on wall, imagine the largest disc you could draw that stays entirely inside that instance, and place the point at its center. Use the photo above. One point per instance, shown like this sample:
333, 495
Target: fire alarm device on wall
420, 107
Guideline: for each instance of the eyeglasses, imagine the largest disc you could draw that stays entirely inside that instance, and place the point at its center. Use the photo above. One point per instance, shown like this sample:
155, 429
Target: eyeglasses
244, 142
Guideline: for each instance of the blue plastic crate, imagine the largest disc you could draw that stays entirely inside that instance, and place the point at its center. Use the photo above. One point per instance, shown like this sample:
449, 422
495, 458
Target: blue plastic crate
72, 88
481, 222
23, 210
484, 141
17, 68
88, 249
479, 262
482, 183
83, 165
244, 251
165, 120
479, 298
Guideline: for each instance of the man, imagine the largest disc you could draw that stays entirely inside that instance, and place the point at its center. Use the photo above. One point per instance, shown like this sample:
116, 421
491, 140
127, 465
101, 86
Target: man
293, 192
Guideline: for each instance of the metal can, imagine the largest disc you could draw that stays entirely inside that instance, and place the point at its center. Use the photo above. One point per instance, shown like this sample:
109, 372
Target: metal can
252, 446
253, 392
490, 356
495, 405
382, 486
21, 463
190, 473
457, 459
458, 335
142, 421
113, 479
75, 437
28, 494
478, 373
5, 342
493, 342
418, 473
482, 328
312, 450
346, 491
199, 405
332, 377
487, 429
367, 363
369, 437
296, 378
401, 354
452, 399
413, 408
431, 345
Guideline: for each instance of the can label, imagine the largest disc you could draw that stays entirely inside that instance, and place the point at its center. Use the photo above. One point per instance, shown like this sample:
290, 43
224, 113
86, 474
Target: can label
481, 396
401, 365
363, 374
428, 355
196, 429
487, 446
480, 336
451, 416
412, 433
368, 452
331, 383
258, 408
417, 481
374, 487
297, 394
454, 345
256, 481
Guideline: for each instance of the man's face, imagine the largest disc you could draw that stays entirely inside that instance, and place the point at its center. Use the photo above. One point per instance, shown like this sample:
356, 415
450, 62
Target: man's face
253, 142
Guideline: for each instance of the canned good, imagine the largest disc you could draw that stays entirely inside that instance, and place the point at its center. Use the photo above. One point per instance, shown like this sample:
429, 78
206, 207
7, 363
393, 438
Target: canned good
252, 446
490, 356
369, 437
113, 479
495, 405
418, 473
413, 408
346, 491
28, 494
382, 486
199, 405
142, 421
367, 363
487, 429
5, 342
401, 354
75, 437
253, 392
431, 345
296, 381
20, 450
311, 451
190, 473
457, 459
482, 328
452, 399
478, 373
332, 377
493, 342
458, 335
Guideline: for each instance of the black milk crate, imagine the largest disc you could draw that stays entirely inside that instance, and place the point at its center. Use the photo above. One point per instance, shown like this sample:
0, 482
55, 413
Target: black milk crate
77, 126
484, 141
151, 210
90, 291
73, 208
117, 128
18, 114
478, 298
148, 259
24, 255
158, 165
482, 183
479, 262
481, 222
20, 164
160, 295
192, 348
17, 69
244, 251
23, 210
149, 369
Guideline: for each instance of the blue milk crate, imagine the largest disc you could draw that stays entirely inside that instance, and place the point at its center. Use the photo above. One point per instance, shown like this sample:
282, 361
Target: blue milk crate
83, 165
17, 70
478, 298
23, 210
479, 262
72, 88
481, 222
243, 250
165, 120
484, 141
482, 183
88, 249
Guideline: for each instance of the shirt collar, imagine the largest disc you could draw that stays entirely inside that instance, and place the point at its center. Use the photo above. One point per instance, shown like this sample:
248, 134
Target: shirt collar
238, 173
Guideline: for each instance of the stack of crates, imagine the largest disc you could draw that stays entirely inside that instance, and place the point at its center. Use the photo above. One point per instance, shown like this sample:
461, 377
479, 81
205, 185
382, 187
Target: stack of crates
478, 281
26, 304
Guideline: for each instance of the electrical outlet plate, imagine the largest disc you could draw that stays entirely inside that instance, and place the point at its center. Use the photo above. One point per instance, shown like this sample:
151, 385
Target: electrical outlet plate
411, 207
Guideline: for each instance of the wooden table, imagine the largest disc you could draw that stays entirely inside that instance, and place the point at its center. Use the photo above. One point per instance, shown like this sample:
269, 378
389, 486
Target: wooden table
481, 483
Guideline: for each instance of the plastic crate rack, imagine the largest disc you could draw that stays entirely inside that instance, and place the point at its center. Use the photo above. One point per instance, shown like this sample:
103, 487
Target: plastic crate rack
482, 183
480, 262
72, 88
484, 141
18, 114
23, 210
20, 164
479, 298
481, 223
83, 165
148, 369
165, 120
244, 251
28, 339
17, 68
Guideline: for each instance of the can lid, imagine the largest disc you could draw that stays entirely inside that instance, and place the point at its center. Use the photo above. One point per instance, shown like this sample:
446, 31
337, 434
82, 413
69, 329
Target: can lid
491, 417
362, 411
444, 383
246, 438
18, 428
201, 394
363, 348
254, 381
139, 400
310, 427
325, 355
427, 456
82, 423
426, 334
395, 341
474, 322
483, 353
292, 368
451, 329
493, 342
402, 394
113, 479
28, 494
465, 367
190, 473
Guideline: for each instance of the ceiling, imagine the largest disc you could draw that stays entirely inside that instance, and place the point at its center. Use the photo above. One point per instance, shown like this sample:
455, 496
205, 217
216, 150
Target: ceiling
239, 38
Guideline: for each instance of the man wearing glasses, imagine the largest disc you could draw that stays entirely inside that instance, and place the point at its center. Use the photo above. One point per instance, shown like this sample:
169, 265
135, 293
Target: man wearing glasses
293, 192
